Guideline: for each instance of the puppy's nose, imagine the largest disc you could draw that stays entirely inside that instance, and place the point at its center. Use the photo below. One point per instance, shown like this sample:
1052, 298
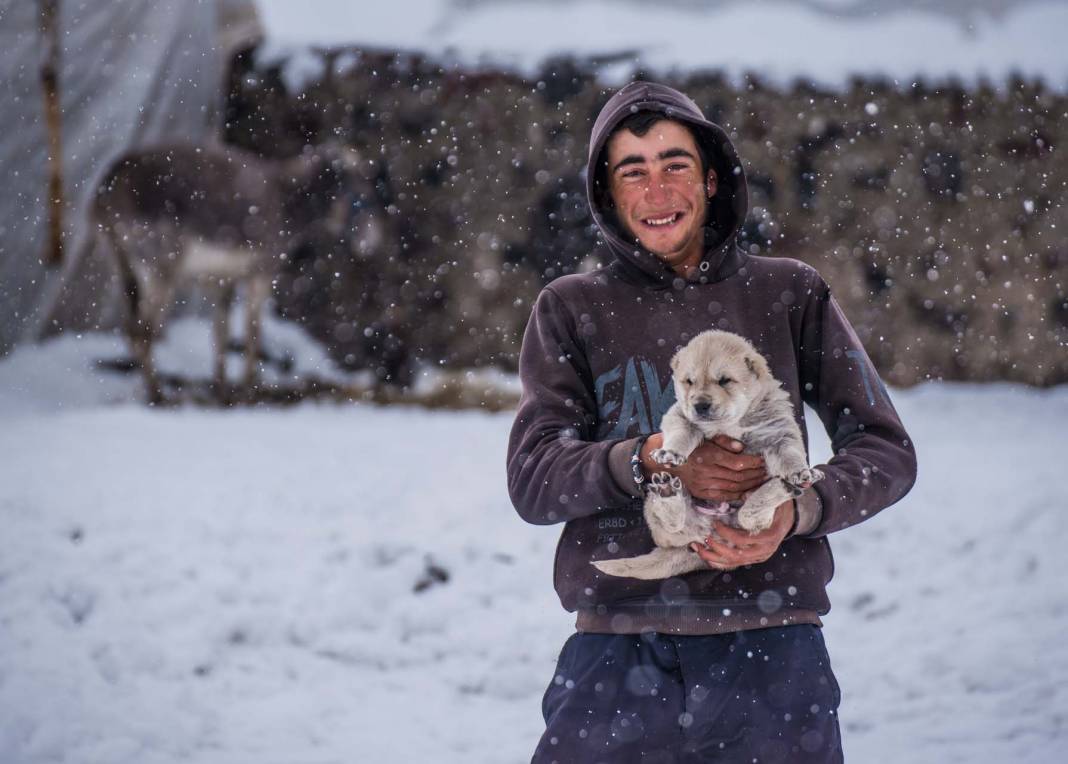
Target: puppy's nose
702, 408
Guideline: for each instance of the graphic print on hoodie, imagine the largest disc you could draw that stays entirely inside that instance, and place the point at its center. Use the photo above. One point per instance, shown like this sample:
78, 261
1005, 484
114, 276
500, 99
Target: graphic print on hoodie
595, 372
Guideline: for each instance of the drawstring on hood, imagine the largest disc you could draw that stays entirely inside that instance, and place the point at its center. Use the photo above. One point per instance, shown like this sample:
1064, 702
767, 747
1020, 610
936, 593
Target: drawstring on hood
726, 210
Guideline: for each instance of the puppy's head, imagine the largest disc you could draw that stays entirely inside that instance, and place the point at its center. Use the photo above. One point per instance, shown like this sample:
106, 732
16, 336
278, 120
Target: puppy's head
717, 375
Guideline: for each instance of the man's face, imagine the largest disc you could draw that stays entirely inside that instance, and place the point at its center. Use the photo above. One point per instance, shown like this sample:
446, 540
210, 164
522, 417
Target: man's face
659, 192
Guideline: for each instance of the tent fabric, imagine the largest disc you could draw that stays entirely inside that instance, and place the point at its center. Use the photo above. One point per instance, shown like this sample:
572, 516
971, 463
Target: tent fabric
131, 73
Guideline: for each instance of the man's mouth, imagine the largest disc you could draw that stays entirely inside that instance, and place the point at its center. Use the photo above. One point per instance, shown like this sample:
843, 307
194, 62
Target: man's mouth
663, 221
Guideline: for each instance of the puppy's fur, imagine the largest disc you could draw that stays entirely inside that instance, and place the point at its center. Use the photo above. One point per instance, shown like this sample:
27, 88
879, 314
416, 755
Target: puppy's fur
722, 386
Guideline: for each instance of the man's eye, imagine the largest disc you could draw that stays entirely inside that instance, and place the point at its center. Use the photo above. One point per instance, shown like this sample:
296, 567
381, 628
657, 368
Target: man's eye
678, 166
724, 381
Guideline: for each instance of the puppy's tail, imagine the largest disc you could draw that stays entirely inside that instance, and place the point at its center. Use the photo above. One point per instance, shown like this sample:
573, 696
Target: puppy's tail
660, 563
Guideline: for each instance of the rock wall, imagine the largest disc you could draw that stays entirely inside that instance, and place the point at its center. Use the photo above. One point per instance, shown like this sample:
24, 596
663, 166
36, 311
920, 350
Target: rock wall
935, 212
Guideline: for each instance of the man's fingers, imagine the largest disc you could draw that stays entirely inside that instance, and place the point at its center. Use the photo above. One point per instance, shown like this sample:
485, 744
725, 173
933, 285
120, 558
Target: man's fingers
736, 555
711, 452
731, 462
709, 470
729, 443
719, 484
714, 495
725, 557
736, 536
713, 558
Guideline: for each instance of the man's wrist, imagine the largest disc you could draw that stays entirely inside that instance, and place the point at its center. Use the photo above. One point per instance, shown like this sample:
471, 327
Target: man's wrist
796, 518
808, 509
648, 465
619, 463
637, 471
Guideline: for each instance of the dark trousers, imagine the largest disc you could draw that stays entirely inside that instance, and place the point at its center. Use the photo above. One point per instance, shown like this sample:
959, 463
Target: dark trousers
766, 695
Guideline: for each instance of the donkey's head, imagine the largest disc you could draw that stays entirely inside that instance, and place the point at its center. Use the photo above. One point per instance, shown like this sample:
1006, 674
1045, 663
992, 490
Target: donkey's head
323, 187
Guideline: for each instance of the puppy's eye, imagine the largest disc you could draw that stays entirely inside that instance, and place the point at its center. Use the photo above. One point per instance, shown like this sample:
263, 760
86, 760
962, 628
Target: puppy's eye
724, 381
687, 381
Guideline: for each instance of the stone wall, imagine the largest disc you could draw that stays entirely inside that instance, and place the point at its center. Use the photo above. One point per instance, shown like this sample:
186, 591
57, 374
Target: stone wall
935, 212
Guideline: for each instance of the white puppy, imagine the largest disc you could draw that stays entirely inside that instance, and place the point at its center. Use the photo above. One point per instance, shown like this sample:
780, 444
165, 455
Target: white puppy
722, 386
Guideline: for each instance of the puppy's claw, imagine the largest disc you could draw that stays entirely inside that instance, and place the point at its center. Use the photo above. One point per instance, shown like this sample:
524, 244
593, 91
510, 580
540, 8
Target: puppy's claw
803, 479
667, 456
663, 484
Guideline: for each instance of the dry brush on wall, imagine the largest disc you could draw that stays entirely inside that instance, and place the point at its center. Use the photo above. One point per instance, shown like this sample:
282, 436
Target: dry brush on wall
936, 212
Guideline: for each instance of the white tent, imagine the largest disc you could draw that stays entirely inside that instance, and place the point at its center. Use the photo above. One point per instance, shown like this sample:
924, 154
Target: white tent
130, 73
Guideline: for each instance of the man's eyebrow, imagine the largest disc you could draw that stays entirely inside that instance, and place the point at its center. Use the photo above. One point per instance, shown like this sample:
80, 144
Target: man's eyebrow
666, 154
629, 159
676, 153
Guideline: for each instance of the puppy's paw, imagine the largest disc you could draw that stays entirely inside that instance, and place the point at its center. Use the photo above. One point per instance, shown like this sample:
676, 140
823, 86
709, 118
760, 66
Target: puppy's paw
755, 520
804, 478
664, 485
667, 456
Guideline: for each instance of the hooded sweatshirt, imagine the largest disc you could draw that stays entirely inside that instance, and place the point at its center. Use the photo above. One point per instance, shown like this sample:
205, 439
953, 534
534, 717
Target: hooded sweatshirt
595, 371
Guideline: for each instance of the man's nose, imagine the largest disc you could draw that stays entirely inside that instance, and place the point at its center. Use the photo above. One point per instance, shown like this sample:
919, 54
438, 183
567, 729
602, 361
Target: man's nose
656, 190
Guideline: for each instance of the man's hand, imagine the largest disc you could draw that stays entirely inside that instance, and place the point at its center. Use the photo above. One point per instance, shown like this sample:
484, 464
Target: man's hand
716, 470
728, 548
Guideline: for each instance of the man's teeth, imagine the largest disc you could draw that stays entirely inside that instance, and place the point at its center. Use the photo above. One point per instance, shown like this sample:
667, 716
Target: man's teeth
662, 221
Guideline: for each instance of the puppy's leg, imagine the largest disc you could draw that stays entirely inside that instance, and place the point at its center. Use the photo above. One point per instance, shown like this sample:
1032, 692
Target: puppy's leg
788, 461
666, 505
680, 438
779, 441
659, 563
759, 509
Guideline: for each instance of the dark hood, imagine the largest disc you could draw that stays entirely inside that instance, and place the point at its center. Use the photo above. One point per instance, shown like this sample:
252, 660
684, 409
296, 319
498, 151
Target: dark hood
726, 210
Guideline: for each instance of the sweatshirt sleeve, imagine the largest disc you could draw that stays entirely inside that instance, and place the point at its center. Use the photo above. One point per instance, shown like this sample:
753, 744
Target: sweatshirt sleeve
555, 472
874, 462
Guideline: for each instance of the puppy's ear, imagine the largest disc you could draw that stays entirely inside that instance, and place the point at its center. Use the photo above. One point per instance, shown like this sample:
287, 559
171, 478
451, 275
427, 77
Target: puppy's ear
757, 366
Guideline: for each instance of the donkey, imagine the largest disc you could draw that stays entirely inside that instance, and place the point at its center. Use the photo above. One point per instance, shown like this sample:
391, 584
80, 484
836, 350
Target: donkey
220, 217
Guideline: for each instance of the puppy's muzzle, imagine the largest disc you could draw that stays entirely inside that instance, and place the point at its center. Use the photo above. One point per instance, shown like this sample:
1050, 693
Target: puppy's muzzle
703, 409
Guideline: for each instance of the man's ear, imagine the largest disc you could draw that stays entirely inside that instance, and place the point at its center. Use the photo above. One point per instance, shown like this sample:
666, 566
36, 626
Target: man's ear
711, 183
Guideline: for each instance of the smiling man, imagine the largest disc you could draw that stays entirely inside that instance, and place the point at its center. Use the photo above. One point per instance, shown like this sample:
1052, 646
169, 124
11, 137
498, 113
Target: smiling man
725, 663
660, 187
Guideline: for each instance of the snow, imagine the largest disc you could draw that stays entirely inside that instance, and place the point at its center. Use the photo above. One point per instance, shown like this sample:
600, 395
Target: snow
778, 39
240, 586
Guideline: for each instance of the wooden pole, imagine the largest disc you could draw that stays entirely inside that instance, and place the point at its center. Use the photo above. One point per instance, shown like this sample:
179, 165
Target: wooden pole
49, 29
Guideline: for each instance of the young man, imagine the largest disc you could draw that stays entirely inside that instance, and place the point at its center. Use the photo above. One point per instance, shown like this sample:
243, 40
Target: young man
726, 663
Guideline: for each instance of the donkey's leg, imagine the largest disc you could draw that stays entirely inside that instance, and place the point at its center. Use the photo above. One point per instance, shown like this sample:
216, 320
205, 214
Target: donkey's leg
259, 288
224, 299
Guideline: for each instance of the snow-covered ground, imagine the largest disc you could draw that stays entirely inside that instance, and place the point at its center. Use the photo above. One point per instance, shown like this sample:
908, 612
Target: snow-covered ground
241, 586
827, 42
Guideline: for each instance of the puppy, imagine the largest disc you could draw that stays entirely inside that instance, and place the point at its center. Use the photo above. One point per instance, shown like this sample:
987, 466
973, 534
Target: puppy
722, 386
